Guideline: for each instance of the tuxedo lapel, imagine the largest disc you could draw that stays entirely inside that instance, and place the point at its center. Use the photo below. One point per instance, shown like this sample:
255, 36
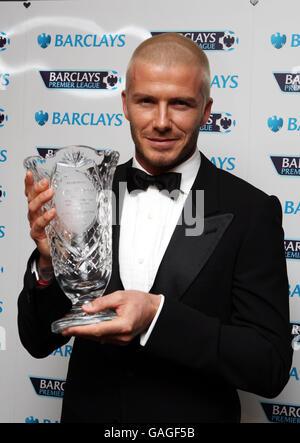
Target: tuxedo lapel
186, 255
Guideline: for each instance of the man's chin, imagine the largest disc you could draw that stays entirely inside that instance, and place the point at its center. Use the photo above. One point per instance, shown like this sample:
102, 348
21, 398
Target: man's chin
158, 163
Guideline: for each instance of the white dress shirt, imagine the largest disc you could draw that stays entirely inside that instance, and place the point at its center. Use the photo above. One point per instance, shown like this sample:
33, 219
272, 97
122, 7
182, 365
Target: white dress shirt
147, 223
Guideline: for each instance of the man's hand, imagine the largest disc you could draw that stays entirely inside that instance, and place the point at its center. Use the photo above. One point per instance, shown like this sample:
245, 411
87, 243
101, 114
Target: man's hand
38, 194
135, 310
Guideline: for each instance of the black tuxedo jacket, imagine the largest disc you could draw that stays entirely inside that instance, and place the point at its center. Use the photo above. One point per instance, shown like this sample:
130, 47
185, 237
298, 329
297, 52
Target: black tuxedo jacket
224, 324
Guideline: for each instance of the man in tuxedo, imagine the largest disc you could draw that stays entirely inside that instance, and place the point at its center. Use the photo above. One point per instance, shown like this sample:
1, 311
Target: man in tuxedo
200, 314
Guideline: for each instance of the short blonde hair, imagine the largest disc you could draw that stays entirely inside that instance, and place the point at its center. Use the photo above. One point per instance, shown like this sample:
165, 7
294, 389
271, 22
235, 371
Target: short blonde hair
172, 49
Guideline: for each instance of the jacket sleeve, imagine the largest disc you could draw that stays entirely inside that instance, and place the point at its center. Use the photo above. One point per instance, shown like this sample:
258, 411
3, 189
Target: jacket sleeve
38, 307
252, 351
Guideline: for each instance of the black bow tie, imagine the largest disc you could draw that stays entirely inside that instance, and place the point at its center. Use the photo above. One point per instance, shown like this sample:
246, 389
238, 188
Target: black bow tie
137, 179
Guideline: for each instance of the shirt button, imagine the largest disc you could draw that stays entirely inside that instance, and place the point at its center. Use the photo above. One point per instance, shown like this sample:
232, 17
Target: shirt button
140, 261
150, 216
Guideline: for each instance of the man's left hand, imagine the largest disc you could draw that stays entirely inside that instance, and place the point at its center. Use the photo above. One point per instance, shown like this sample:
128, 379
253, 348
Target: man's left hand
135, 309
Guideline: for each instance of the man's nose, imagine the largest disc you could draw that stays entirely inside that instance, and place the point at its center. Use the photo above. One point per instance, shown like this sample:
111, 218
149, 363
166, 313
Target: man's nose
162, 121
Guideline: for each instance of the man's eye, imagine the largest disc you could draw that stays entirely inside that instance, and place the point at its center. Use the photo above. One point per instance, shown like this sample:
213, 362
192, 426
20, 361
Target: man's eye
145, 100
180, 103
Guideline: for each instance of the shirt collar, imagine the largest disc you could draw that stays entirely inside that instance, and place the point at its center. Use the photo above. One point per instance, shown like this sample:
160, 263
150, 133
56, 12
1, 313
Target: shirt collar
188, 170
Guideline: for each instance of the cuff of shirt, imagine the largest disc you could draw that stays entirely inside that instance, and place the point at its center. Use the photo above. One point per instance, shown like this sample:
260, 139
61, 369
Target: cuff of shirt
34, 269
145, 335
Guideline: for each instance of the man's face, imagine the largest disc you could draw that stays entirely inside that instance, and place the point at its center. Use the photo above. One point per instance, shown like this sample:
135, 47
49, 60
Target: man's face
165, 108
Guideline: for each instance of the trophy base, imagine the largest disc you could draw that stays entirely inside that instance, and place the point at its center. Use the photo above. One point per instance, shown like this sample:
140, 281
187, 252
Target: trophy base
79, 318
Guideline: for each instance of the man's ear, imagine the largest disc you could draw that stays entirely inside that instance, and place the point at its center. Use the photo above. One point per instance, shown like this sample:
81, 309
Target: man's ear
124, 102
206, 112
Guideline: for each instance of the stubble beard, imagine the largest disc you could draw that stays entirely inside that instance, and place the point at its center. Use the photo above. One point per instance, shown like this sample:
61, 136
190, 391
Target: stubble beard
161, 166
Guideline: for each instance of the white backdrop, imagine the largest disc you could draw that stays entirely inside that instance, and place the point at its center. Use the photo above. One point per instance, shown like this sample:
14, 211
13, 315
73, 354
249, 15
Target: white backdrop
254, 117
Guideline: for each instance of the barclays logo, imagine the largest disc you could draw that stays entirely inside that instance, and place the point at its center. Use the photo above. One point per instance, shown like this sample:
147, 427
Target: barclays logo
275, 123
41, 117
4, 41
209, 40
82, 40
79, 119
280, 40
221, 123
3, 117
288, 82
44, 40
108, 80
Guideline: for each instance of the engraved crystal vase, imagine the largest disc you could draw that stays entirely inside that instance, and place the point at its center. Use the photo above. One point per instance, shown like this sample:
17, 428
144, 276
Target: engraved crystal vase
80, 236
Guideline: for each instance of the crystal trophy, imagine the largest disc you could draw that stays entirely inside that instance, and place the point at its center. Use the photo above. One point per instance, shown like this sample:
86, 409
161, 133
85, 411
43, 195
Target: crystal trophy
80, 236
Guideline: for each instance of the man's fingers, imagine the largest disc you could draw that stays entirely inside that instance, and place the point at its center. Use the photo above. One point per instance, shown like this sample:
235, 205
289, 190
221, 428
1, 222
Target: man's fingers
41, 222
36, 203
107, 302
29, 182
31, 189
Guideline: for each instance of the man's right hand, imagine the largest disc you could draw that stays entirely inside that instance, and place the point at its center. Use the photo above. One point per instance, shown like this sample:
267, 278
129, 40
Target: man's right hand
37, 195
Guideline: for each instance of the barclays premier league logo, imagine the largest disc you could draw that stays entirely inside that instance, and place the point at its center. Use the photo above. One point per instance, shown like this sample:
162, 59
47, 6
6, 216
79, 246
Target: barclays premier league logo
2, 196
221, 123
48, 387
209, 40
281, 413
286, 166
91, 80
292, 249
288, 82
4, 41
3, 117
